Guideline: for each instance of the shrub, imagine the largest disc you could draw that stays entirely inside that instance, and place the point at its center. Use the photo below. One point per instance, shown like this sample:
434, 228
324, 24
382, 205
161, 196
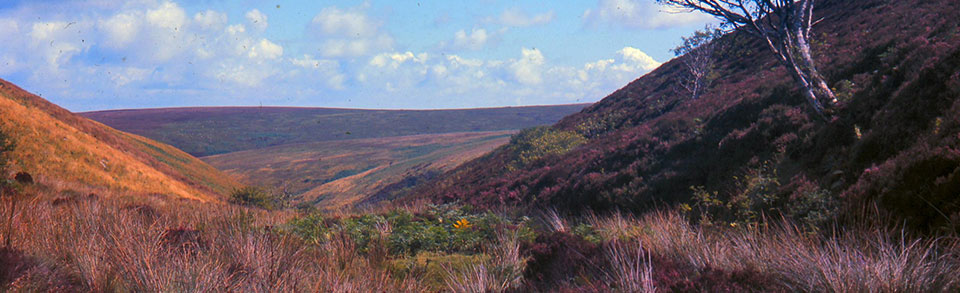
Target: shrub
255, 197
432, 267
760, 196
443, 228
561, 259
534, 144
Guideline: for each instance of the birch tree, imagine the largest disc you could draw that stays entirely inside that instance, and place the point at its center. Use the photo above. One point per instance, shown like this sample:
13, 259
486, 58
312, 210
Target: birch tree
785, 26
698, 59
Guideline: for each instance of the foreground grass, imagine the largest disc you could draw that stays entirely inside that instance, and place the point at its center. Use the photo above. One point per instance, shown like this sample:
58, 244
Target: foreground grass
81, 243
76, 242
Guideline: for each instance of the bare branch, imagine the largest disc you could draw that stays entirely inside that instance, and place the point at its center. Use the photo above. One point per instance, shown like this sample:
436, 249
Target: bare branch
785, 27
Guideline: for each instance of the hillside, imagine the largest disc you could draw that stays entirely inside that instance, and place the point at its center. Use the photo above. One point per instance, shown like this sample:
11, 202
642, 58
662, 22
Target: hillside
60, 148
217, 130
343, 173
893, 140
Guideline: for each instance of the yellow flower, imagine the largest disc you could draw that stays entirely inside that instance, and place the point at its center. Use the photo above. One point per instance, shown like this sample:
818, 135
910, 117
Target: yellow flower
462, 224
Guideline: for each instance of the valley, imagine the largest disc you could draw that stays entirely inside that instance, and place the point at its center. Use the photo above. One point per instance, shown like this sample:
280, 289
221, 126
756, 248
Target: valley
817, 155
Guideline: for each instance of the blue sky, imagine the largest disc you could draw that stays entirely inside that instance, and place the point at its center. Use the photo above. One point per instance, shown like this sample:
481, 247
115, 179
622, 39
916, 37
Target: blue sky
103, 54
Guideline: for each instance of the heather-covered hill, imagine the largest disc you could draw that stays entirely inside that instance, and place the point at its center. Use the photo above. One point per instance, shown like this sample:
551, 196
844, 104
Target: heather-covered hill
60, 148
893, 140
208, 131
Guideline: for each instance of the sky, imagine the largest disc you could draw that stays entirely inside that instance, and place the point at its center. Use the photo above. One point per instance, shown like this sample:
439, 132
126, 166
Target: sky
90, 55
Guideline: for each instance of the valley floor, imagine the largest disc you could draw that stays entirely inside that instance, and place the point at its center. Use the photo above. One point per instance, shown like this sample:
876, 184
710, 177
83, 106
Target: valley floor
75, 241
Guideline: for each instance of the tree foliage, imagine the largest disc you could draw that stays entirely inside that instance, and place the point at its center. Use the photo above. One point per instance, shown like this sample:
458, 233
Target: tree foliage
698, 51
785, 26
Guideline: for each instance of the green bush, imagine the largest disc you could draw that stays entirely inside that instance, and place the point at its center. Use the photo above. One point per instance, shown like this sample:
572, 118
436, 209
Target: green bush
760, 195
432, 267
255, 197
534, 144
441, 228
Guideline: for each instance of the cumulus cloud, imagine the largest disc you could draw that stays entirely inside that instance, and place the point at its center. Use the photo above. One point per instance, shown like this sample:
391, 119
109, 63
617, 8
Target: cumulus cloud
169, 15
527, 69
518, 18
137, 48
527, 79
474, 40
265, 49
640, 14
323, 69
210, 20
348, 33
121, 29
158, 54
257, 19
394, 60
56, 42
638, 58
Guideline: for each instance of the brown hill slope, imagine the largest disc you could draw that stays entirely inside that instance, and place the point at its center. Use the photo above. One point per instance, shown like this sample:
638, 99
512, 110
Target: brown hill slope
57, 145
893, 140
342, 173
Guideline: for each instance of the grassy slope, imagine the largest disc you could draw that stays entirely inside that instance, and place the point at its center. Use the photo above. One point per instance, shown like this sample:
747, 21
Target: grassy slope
54, 144
341, 173
217, 130
649, 144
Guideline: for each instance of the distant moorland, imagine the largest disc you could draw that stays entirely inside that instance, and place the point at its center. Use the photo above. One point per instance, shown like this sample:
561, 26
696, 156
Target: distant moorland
217, 130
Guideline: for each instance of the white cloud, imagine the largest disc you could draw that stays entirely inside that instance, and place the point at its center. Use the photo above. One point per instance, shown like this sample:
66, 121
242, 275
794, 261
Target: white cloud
458, 61
121, 29
638, 58
158, 55
241, 74
348, 33
642, 14
169, 16
265, 49
518, 18
121, 76
475, 40
333, 21
236, 29
323, 69
527, 70
257, 19
56, 42
210, 20
394, 60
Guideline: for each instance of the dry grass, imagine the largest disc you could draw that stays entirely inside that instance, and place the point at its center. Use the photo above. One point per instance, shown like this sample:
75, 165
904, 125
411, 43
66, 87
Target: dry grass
501, 273
74, 242
56, 144
630, 269
875, 260
122, 244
